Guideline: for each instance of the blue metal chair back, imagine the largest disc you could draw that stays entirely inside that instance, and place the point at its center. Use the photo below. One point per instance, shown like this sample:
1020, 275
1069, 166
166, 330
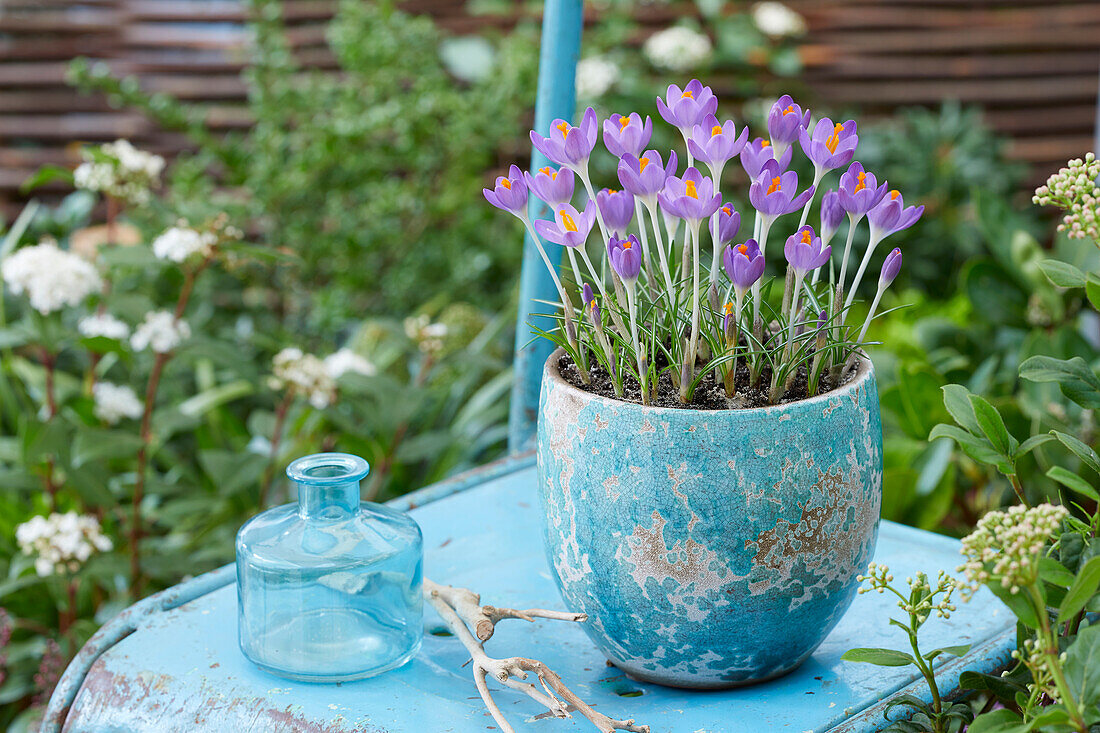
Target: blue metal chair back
561, 40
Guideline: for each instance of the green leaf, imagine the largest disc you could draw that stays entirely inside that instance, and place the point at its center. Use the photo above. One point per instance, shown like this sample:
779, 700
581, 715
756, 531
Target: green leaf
992, 425
1004, 688
1073, 482
1092, 290
1085, 453
1055, 572
1082, 668
955, 651
1018, 603
881, 657
214, 397
93, 444
975, 447
1083, 588
1077, 380
956, 398
46, 174
1032, 443
1062, 274
999, 721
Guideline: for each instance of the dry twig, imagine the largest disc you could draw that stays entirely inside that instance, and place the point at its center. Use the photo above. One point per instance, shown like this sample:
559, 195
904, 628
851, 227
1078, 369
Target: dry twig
461, 611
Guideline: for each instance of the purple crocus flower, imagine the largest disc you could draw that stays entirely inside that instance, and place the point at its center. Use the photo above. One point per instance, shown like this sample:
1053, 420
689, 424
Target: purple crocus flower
831, 146
691, 197
569, 227
568, 145
775, 193
684, 109
786, 120
729, 222
555, 187
617, 208
859, 191
645, 177
890, 268
715, 144
758, 152
626, 257
832, 213
805, 252
626, 134
890, 216
590, 304
510, 193
744, 264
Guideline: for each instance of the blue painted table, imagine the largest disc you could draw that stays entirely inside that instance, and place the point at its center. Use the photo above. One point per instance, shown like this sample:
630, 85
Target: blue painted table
172, 663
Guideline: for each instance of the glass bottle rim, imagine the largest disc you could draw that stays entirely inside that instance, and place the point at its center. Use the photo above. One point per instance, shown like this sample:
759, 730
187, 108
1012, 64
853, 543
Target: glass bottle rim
328, 469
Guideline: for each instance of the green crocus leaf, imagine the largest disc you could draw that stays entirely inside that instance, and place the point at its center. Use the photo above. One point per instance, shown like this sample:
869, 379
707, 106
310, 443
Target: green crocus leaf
1077, 380
880, 657
1083, 588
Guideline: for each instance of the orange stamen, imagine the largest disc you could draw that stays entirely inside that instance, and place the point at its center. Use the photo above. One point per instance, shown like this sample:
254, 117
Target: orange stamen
765, 143
743, 249
627, 244
789, 110
611, 191
716, 130
806, 236
834, 139
642, 163
689, 189
688, 94
894, 194
564, 127
862, 184
777, 185
567, 222
727, 211
506, 183
623, 122
728, 307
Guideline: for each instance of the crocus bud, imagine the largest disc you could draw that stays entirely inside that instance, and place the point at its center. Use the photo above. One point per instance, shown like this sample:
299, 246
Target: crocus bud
832, 213
890, 268
744, 264
786, 120
617, 208
729, 222
626, 257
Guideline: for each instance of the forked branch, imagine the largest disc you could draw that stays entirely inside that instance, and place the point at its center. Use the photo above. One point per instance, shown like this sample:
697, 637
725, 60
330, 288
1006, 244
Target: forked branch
461, 611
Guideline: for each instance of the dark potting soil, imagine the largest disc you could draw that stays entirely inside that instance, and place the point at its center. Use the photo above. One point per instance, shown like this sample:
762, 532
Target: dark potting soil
709, 395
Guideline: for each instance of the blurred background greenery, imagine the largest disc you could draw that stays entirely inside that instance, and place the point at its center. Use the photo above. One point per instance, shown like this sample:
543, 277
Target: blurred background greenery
359, 196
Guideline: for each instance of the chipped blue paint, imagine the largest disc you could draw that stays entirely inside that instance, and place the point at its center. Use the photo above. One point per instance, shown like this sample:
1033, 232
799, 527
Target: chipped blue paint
710, 548
171, 663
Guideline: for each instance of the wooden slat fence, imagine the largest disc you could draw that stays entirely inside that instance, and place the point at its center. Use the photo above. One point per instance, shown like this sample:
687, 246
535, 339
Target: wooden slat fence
1033, 66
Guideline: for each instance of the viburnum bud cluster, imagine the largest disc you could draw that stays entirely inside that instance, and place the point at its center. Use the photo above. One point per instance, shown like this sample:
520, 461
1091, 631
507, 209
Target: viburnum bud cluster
119, 170
51, 277
1006, 546
427, 335
1074, 190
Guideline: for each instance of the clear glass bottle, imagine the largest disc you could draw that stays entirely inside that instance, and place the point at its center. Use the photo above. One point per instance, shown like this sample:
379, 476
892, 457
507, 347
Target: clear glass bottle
329, 589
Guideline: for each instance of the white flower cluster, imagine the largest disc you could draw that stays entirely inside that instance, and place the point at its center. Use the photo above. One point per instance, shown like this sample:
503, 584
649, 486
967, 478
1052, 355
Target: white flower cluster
161, 332
113, 402
346, 361
103, 324
1037, 661
119, 170
678, 48
595, 77
1006, 546
61, 542
52, 278
1074, 190
180, 242
777, 20
305, 373
922, 599
427, 335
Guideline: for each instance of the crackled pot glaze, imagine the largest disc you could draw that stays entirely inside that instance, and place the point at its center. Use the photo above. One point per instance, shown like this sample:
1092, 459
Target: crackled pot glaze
709, 548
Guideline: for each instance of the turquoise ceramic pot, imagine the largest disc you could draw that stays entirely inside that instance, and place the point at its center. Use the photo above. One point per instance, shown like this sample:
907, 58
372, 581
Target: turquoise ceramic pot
709, 548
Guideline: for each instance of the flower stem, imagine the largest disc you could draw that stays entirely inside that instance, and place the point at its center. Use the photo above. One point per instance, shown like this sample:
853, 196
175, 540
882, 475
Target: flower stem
693, 342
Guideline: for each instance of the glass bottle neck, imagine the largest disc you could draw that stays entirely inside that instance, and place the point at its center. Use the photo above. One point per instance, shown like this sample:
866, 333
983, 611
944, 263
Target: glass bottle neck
328, 501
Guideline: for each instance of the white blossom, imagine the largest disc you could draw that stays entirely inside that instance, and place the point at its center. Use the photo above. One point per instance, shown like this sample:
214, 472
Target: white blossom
160, 331
345, 360
678, 48
595, 77
304, 373
103, 324
1074, 189
61, 542
777, 20
120, 170
427, 335
113, 402
179, 243
52, 278
1006, 546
